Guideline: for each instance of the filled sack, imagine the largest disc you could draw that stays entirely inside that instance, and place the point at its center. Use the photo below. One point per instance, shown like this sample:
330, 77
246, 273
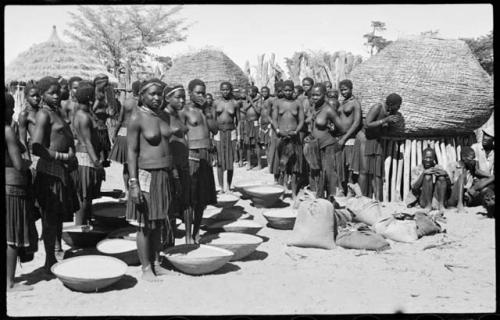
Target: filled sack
315, 225
426, 226
397, 230
362, 240
366, 210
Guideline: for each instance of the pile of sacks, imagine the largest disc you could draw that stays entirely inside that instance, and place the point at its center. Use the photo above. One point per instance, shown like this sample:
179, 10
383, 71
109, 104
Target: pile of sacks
361, 224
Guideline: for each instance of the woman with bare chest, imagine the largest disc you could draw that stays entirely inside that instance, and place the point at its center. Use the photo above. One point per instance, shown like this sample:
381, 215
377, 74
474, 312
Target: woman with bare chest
203, 191
288, 119
227, 110
100, 111
323, 172
27, 121
55, 190
150, 185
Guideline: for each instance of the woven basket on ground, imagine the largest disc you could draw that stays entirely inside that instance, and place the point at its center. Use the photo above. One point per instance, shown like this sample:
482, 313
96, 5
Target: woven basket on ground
55, 58
211, 66
444, 89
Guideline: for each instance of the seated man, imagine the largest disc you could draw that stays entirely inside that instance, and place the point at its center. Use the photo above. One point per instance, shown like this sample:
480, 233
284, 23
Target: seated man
430, 183
472, 186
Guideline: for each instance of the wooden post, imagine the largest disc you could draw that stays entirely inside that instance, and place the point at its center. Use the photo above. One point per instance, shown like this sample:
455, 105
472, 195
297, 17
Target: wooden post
437, 149
420, 147
459, 148
394, 171
413, 154
387, 168
444, 155
407, 168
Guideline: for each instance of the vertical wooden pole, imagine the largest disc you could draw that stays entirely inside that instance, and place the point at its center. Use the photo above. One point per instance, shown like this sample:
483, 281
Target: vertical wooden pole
438, 152
459, 148
387, 168
407, 168
418, 154
394, 170
444, 155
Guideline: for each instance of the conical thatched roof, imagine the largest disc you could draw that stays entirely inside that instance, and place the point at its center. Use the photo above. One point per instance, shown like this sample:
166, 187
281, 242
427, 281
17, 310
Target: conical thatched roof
211, 66
444, 89
55, 58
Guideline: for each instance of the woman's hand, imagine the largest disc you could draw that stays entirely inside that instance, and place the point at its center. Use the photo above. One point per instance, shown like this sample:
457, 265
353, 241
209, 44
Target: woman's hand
135, 192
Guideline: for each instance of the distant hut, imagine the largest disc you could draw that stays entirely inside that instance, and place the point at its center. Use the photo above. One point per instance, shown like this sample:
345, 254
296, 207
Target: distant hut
211, 66
446, 96
55, 58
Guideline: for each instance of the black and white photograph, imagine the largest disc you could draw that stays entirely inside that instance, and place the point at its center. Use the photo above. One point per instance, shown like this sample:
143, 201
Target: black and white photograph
238, 159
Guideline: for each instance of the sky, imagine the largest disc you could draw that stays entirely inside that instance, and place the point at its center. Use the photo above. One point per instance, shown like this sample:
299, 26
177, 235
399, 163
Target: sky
245, 31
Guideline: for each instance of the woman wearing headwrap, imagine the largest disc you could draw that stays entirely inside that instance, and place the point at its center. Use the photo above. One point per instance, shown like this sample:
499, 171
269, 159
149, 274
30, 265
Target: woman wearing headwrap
202, 178
378, 121
20, 229
55, 191
320, 147
150, 167
119, 150
100, 110
175, 100
90, 168
288, 119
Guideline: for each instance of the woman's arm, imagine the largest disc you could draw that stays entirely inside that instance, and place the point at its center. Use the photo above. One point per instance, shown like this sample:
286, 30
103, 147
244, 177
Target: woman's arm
84, 125
133, 134
355, 123
372, 115
42, 127
23, 131
14, 151
275, 118
301, 119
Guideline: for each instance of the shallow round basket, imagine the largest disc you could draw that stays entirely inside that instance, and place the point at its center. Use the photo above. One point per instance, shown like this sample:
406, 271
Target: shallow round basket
110, 213
281, 218
241, 226
198, 259
76, 236
226, 200
125, 250
89, 273
128, 233
264, 196
240, 244
241, 186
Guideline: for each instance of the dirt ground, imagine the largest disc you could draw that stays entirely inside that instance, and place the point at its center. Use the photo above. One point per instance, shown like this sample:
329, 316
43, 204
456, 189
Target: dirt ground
277, 279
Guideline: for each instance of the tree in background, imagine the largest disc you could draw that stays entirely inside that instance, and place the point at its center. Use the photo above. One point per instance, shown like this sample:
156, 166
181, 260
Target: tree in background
374, 41
321, 66
121, 36
265, 73
482, 48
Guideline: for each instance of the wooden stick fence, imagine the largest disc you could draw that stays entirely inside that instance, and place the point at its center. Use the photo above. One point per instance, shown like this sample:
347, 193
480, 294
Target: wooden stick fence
401, 155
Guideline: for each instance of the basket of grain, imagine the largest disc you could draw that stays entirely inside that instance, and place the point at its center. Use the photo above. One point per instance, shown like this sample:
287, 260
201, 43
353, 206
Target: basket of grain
226, 200
109, 212
82, 236
241, 226
265, 195
89, 273
241, 186
123, 249
283, 218
240, 244
197, 259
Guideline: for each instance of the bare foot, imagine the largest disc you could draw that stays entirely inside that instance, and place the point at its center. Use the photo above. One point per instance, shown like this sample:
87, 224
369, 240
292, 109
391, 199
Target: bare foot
148, 275
160, 271
18, 287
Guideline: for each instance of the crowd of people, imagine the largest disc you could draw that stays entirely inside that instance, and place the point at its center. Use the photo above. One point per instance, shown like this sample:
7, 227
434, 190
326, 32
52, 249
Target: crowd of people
57, 152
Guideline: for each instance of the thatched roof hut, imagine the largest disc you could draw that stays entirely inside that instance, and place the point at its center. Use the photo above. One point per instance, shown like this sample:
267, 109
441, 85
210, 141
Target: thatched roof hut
445, 91
55, 58
211, 66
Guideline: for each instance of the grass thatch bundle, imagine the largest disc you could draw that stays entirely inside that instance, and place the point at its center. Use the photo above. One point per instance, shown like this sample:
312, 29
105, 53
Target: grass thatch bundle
55, 58
444, 89
211, 66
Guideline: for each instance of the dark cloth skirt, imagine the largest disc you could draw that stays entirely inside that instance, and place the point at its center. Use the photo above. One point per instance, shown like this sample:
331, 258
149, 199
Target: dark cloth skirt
374, 157
251, 133
119, 150
273, 160
89, 183
242, 129
57, 200
156, 208
203, 190
225, 150
103, 139
290, 155
20, 226
182, 197
327, 182
264, 136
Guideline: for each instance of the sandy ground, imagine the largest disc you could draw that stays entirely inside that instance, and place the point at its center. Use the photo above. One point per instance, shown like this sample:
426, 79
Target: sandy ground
277, 279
